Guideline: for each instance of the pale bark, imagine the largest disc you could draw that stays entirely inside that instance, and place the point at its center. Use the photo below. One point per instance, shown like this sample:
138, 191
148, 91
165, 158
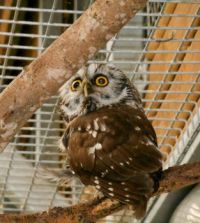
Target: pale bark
44, 76
172, 179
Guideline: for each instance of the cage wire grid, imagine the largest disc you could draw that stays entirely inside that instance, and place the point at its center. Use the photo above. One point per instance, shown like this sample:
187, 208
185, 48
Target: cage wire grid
158, 49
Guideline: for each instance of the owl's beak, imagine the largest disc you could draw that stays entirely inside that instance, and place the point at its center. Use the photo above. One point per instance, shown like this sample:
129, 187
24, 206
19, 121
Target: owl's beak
86, 88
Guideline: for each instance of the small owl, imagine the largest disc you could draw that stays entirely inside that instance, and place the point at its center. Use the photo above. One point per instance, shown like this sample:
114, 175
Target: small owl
110, 142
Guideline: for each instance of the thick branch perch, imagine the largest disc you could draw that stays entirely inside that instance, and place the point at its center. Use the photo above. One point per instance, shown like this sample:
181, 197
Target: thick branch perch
44, 76
172, 179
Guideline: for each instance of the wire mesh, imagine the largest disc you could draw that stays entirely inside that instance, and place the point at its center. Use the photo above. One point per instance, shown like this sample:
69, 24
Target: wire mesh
159, 50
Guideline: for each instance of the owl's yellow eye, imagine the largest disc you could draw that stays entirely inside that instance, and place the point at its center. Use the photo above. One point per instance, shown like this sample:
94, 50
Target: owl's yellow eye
75, 85
101, 81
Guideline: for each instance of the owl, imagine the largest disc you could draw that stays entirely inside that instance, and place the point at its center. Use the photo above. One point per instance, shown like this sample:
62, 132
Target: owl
109, 141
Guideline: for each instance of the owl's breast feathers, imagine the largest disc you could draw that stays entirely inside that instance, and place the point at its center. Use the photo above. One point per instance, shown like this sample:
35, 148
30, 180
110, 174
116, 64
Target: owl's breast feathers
115, 149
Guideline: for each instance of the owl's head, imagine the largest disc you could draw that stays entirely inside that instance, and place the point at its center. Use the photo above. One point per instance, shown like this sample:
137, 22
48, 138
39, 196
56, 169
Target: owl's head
94, 87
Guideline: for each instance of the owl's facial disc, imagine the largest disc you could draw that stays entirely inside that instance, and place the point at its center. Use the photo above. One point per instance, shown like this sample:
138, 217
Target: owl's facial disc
96, 87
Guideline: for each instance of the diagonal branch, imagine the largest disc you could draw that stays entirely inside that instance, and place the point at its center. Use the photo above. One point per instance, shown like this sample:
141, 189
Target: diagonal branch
172, 179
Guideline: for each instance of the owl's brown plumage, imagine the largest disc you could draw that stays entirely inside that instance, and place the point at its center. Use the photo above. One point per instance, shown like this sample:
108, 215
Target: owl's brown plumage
114, 148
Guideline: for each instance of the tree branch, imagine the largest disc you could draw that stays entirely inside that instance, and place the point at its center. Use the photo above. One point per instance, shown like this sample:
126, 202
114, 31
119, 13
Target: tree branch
44, 76
172, 179
177, 177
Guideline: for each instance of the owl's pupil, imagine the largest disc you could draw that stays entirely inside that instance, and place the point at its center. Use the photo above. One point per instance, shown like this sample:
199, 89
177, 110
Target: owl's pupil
76, 84
101, 81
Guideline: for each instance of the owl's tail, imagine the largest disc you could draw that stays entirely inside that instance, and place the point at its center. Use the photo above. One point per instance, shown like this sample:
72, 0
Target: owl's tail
140, 210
